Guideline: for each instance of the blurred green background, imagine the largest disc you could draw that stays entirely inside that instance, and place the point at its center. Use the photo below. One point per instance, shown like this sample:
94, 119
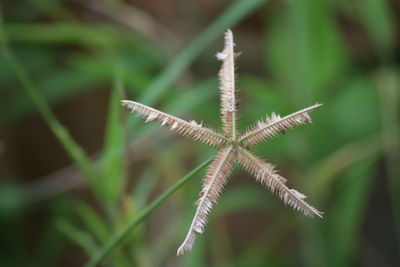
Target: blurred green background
76, 168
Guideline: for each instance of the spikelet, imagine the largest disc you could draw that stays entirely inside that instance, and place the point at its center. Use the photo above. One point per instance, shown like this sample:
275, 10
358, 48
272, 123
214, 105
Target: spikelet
266, 174
190, 129
227, 86
275, 124
213, 184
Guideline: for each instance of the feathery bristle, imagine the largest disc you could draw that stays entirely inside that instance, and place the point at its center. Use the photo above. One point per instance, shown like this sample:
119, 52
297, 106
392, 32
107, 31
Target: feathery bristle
227, 86
266, 174
190, 129
274, 125
213, 184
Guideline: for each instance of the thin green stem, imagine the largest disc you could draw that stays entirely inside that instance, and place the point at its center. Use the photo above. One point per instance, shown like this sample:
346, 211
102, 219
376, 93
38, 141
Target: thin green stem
119, 237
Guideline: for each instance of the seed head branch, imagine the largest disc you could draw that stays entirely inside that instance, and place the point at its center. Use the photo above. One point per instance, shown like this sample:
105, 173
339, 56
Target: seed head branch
213, 184
275, 124
190, 129
266, 174
227, 86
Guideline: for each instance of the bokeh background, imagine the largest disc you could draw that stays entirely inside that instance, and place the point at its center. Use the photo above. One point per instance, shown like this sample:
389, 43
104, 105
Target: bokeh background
76, 168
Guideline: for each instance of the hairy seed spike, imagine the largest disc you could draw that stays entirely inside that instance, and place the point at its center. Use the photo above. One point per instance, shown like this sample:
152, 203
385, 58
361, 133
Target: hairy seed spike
270, 179
212, 187
274, 125
190, 129
227, 86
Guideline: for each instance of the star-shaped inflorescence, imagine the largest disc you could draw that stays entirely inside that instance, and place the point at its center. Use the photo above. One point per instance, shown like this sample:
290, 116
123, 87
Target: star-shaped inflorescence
233, 146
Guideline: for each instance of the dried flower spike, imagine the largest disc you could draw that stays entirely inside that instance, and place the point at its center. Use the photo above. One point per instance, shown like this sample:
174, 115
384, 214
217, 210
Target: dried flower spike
232, 146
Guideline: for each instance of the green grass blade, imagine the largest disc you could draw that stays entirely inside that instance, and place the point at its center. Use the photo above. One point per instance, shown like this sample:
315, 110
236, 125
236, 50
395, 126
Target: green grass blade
93, 222
67, 82
230, 17
144, 187
119, 237
112, 162
388, 83
377, 18
64, 33
81, 238
98, 228
72, 148
304, 49
343, 222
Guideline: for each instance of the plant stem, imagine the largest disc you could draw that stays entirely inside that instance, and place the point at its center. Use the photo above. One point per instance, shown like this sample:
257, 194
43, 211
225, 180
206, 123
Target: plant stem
119, 237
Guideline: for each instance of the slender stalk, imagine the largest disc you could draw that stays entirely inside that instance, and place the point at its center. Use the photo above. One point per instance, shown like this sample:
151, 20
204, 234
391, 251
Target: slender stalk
119, 237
